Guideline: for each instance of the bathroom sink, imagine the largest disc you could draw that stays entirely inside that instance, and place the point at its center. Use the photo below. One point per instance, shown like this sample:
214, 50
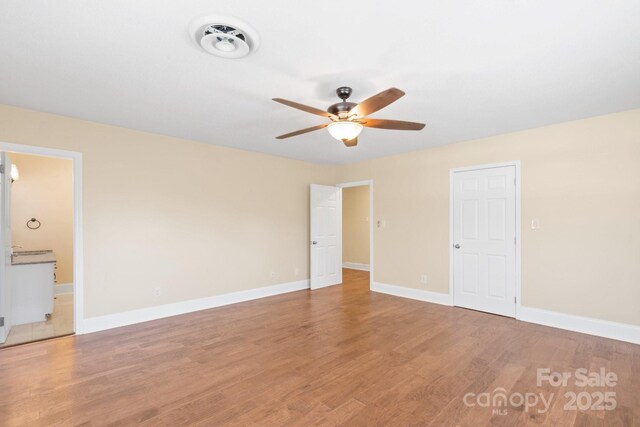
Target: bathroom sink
32, 257
22, 253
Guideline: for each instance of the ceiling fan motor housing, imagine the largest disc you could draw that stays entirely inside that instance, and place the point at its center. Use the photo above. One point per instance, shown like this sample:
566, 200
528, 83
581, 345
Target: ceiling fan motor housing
343, 107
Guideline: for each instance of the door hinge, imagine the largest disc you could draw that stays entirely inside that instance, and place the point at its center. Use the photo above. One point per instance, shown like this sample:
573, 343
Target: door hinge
515, 300
514, 240
2, 169
1, 322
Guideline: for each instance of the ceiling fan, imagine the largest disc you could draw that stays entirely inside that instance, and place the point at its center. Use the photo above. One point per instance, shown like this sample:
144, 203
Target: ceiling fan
348, 118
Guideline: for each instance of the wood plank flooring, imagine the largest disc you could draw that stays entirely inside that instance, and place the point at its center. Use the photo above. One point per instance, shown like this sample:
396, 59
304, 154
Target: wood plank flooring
337, 356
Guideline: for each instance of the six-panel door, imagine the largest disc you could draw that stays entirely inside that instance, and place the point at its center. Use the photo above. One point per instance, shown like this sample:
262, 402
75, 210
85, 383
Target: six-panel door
326, 236
484, 233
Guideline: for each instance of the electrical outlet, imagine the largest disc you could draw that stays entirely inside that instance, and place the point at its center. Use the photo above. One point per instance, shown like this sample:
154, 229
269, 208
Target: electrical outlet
157, 292
423, 279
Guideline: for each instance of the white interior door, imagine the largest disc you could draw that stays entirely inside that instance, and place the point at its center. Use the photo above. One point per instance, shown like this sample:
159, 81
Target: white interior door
5, 245
326, 236
484, 233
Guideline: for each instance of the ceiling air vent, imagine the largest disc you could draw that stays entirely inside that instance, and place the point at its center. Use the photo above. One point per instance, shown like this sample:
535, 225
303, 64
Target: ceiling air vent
224, 36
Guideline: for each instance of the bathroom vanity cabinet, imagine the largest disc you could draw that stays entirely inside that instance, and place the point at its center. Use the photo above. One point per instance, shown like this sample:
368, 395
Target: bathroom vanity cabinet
31, 277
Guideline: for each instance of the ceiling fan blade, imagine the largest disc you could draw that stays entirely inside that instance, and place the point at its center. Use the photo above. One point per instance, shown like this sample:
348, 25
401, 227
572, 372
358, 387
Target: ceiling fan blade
391, 124
301, 131
377, 102
306, 108
351, 142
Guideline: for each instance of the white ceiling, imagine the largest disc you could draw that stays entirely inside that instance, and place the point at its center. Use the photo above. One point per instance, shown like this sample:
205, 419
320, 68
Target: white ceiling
470, 68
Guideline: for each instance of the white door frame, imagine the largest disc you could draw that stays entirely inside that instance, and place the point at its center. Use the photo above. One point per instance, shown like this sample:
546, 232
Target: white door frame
78, 250
516, 164
368, 182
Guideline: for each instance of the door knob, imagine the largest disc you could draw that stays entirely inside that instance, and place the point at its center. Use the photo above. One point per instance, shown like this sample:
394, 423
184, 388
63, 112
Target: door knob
457, 246
314, 242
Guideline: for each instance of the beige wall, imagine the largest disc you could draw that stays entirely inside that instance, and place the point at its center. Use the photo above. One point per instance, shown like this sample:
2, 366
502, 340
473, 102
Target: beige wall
198, 220
45, 192
192, 219
355, 224
580, 179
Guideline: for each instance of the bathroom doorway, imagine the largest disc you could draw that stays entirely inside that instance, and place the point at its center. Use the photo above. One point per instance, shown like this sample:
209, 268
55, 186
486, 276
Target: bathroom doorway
38, 281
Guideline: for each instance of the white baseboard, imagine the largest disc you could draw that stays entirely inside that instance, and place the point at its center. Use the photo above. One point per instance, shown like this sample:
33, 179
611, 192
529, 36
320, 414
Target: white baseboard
586, 325
355, 266
101, 323
418, 294
63, 288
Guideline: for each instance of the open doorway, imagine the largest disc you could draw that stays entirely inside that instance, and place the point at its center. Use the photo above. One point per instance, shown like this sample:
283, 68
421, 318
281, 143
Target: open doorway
357, 231
355, 228
326, 233
37, 281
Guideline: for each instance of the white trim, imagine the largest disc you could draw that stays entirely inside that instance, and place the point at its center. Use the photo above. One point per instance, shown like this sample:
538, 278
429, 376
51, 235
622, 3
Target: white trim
109, 321
355, 184
38, 151
516, 164
355, 266
78, 248
368, 182
569, 322
63, 288
417, 294
585, 325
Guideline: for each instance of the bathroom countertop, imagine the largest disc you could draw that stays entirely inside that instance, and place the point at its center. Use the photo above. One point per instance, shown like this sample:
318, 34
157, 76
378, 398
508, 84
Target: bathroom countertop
33, 257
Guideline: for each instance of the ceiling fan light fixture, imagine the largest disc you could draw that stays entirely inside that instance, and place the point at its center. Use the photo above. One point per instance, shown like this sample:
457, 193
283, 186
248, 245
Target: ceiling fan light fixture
344, 130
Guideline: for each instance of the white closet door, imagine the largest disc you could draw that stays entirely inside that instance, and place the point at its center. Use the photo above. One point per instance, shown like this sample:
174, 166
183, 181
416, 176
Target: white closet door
484, 233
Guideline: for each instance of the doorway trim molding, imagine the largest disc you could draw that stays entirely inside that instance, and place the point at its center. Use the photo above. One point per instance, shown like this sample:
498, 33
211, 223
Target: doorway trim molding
452, 172
78, 249
368, 182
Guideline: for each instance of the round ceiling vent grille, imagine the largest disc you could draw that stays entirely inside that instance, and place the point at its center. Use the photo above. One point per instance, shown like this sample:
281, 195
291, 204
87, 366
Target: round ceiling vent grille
224, 36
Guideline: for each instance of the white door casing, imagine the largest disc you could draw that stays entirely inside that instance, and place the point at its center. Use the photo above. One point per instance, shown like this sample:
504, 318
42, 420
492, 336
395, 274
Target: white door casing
326, 236
368, 183
5, 245
78, 240
484, 239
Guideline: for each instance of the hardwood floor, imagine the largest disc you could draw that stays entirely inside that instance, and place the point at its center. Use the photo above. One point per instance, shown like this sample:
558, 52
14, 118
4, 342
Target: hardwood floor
336, 356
